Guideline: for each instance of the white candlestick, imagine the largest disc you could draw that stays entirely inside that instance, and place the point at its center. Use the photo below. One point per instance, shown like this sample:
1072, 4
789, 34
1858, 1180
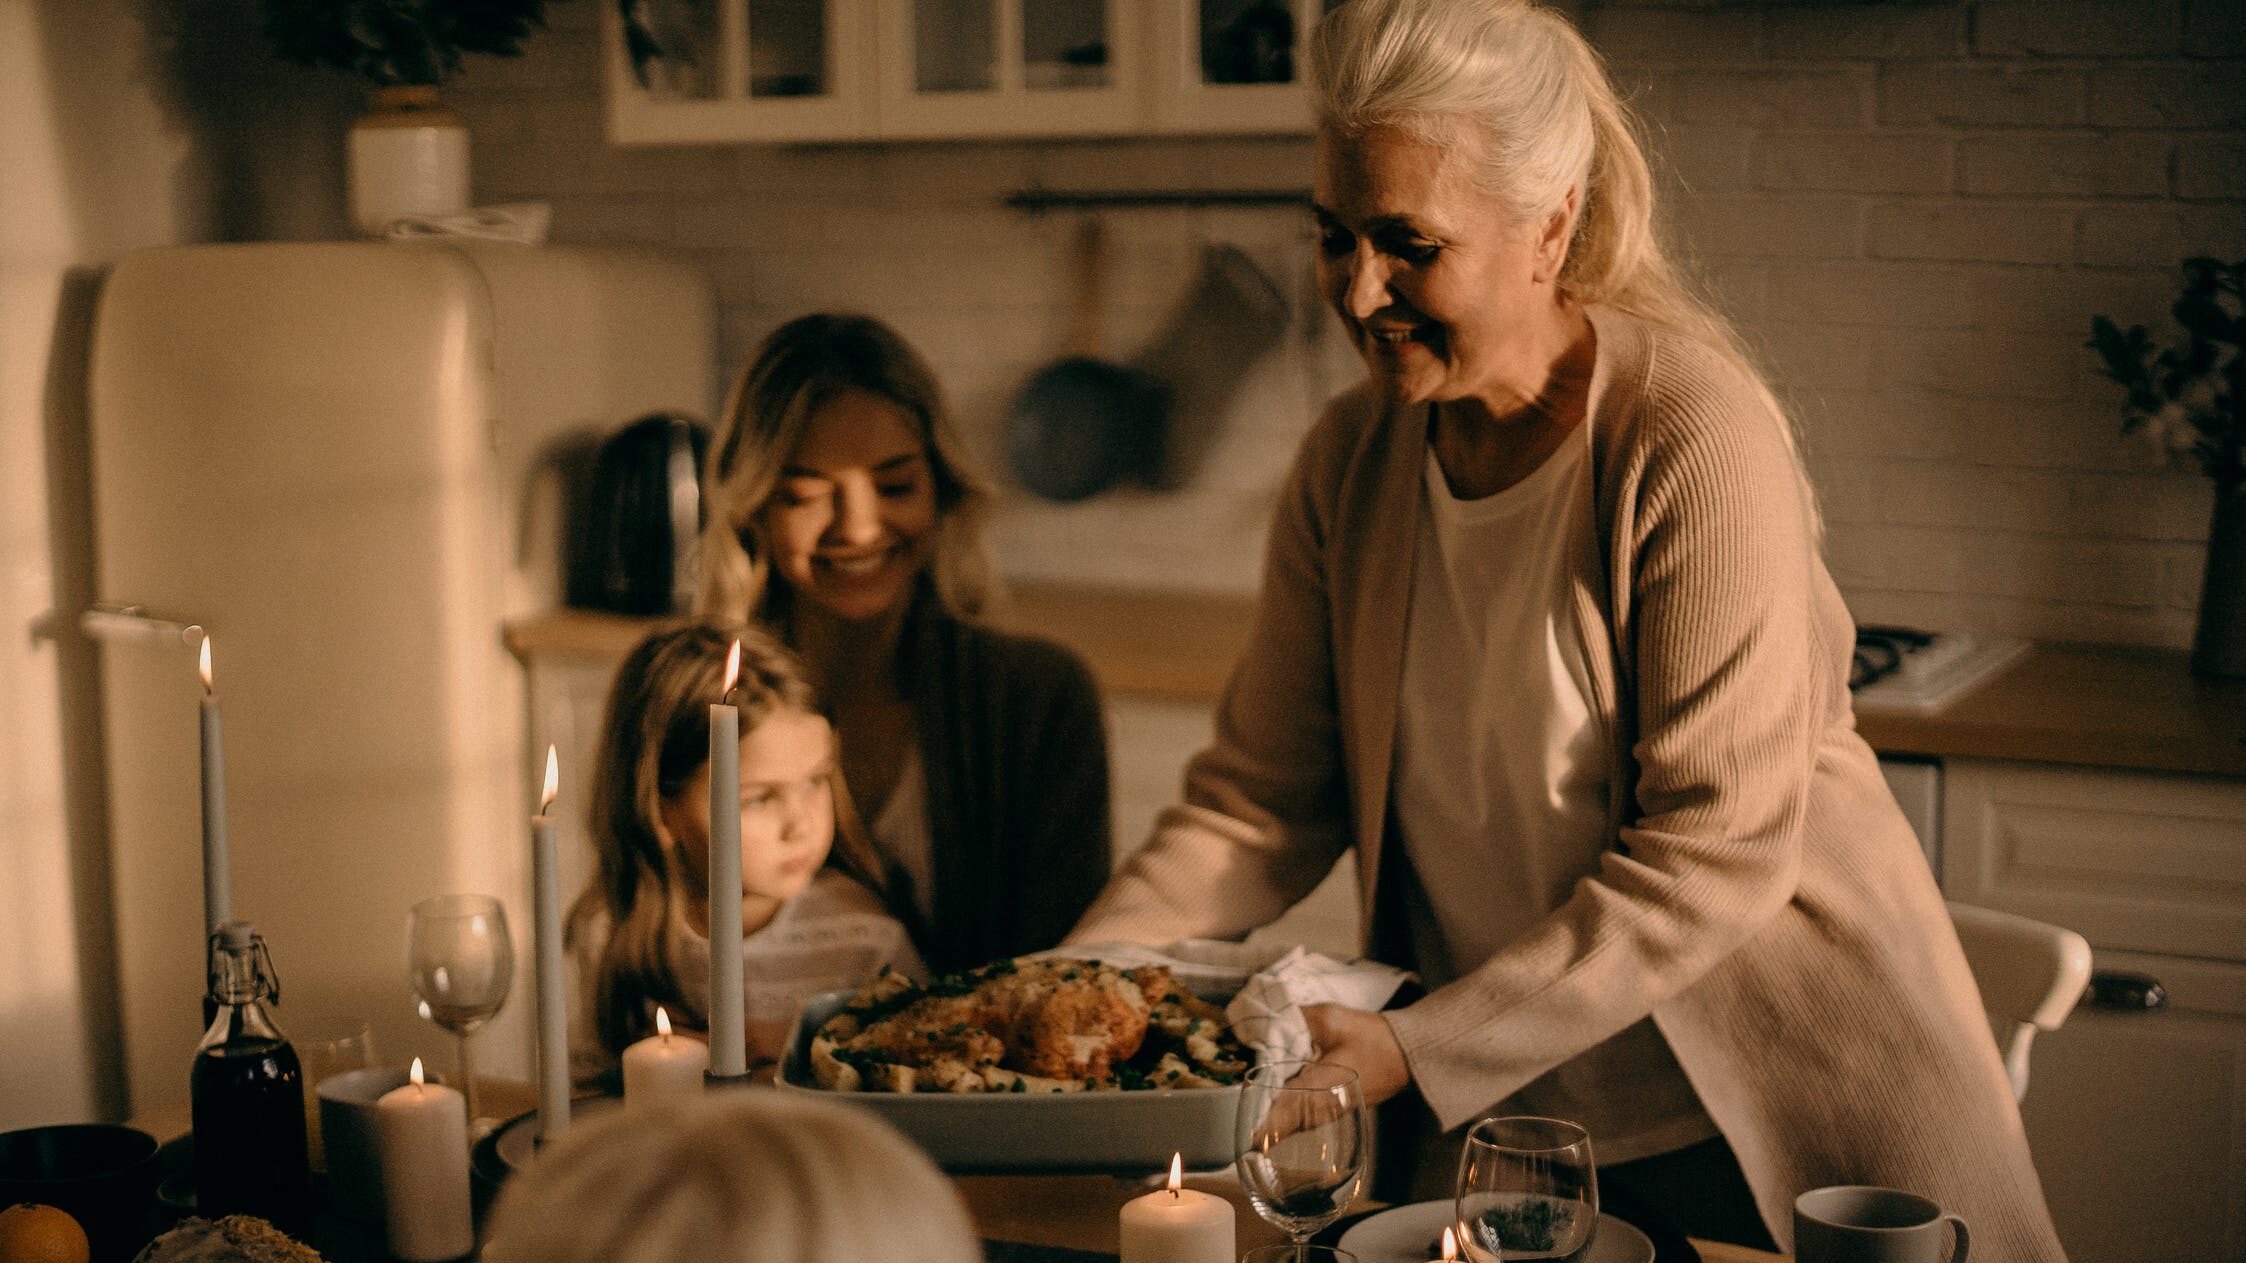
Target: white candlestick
421, 1146
218, 899
1178, 1225
663, 1067
729, 1048
553, 1001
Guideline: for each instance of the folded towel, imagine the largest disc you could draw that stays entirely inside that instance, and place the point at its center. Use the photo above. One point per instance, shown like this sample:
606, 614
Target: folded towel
1269, 985
525, 222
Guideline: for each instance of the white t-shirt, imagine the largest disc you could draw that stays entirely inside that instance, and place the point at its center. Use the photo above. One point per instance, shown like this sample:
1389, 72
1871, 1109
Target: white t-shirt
1501, 780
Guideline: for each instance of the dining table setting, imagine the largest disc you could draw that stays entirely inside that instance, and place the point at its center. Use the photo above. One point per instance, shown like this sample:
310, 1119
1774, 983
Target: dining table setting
1024, 1217
1236, 1145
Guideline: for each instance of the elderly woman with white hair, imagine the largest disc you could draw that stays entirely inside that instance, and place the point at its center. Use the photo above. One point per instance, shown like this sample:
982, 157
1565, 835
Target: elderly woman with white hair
739, 1177
1545, 636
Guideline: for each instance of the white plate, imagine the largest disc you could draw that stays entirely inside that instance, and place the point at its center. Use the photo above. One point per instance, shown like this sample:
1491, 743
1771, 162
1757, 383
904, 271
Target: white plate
1401, 1235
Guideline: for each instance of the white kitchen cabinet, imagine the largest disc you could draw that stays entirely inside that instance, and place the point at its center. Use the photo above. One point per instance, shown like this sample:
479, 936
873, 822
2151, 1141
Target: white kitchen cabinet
2137, 1118
717, 71
984, 68
1232, 66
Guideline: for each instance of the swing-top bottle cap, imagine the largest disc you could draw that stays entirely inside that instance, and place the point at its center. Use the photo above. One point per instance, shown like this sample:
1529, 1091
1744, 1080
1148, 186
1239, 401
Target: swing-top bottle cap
236, 935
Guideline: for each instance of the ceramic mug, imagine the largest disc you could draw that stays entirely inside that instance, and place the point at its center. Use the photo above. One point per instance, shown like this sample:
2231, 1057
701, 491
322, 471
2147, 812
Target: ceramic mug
1863, 1223
347, 1106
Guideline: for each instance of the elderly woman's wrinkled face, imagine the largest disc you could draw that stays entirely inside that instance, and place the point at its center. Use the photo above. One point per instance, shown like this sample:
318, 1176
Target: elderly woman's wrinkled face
1445, 295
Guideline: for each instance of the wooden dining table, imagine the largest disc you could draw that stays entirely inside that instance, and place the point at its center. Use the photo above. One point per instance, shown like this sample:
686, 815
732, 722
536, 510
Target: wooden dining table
1067, 1212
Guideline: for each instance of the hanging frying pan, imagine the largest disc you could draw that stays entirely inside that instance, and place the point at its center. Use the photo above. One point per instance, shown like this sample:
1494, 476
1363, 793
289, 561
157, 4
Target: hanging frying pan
1083, 424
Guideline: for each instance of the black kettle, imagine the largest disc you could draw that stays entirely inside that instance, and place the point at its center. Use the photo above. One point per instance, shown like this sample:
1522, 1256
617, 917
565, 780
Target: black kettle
633, 549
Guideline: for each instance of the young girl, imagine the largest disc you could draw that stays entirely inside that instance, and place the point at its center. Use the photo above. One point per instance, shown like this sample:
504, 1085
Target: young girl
811, 915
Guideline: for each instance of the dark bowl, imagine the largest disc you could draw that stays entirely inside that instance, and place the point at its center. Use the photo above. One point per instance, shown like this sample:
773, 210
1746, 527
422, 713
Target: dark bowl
103, 1175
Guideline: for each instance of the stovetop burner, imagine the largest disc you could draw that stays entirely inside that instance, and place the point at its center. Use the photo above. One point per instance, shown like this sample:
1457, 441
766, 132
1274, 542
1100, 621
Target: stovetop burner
1880, 651
1910, 669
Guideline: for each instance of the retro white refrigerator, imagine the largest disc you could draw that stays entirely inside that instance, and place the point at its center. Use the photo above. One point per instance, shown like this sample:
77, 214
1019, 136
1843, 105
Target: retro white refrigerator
336, 457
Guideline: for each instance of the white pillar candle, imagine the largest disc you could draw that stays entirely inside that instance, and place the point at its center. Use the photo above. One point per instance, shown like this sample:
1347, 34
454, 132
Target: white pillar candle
663, 1067
1178, 1225
421, 1146
218, 899
729, 1044
553, 1001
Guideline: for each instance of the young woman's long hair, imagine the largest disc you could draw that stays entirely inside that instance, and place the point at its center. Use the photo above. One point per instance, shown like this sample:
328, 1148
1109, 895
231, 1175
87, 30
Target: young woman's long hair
655, 735
796, 370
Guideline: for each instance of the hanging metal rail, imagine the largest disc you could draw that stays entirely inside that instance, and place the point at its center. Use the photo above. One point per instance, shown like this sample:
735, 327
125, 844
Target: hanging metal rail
1040, 200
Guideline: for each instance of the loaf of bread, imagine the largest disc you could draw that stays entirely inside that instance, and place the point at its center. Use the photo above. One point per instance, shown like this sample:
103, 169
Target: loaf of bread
234, 1239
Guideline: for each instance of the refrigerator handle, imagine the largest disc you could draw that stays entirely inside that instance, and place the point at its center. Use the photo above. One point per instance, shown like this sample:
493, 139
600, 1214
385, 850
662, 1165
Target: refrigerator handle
109, 620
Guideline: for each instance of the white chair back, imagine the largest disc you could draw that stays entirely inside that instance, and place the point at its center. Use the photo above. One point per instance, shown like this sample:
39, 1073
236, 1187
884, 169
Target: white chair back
2030, 974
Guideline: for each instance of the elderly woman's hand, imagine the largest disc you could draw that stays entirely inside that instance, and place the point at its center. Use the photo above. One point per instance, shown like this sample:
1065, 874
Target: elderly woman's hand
1363, 1042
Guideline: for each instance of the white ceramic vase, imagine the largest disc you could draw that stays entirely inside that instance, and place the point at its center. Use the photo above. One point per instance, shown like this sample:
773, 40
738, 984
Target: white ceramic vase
409, 156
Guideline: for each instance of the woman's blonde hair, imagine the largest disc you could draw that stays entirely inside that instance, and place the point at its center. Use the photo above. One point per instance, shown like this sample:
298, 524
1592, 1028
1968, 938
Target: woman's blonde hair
735, 1177
655, 736
796, 370
1514, 83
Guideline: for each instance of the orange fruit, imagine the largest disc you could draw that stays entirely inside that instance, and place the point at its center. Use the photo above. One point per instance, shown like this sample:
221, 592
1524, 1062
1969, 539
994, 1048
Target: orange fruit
31, 1233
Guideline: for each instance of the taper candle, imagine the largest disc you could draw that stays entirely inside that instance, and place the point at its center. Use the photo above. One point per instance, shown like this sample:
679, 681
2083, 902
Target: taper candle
553, 1001
218, 898
1177, 1225
729, 1048
663, 1067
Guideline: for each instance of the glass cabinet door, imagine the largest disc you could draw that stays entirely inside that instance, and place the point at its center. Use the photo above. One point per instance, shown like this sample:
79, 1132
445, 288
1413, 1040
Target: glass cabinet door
1235, 65
716, 70
966, 68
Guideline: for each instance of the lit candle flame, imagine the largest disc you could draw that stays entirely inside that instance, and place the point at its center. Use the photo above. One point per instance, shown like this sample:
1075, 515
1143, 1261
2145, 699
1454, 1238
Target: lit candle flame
423, 1007
205, 665
1450, 1244
415, 1073
732, 671
1177, 1172
662, 1022
553, 781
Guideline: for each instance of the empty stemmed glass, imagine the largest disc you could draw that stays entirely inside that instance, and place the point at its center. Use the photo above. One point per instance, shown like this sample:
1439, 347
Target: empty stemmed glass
1527, 1189
1304, 1137
462, 961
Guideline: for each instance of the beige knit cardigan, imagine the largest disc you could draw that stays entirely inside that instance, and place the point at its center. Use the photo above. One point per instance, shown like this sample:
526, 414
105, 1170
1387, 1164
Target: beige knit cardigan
1763, 900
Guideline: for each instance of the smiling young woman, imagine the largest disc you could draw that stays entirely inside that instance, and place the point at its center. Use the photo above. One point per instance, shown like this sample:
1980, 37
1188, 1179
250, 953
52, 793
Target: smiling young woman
845, 514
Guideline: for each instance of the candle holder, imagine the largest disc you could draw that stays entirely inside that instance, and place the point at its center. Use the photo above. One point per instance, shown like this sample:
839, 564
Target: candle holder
712, 1081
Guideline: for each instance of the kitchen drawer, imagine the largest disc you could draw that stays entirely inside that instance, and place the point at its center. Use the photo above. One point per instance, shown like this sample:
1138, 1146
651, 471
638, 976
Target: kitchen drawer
2137, 1119
2132, 861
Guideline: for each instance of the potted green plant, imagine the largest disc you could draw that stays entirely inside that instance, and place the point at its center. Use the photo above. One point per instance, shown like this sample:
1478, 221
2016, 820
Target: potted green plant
2190, 397
408, 153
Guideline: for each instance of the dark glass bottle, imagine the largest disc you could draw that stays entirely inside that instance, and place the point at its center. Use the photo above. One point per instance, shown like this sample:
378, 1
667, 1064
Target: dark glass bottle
248, 1092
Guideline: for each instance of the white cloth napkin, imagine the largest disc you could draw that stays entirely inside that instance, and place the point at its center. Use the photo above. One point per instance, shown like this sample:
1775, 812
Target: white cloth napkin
525, 222
1270, 985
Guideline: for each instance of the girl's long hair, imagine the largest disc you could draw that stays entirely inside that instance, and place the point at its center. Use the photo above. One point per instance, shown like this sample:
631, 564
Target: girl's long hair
796, 370
655, 735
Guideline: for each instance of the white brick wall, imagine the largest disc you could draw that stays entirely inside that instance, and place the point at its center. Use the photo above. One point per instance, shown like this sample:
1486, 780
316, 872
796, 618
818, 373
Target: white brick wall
1913, 209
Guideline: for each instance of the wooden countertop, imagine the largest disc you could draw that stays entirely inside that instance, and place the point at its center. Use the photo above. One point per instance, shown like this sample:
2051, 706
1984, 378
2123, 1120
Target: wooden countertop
2104, 706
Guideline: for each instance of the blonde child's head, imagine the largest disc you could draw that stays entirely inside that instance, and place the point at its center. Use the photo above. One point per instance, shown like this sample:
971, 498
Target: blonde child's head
651, 818
734, 1177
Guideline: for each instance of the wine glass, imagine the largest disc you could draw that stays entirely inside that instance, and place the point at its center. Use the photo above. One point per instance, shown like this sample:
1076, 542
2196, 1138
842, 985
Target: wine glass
1303, 1136
1527, 1189
461, 960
